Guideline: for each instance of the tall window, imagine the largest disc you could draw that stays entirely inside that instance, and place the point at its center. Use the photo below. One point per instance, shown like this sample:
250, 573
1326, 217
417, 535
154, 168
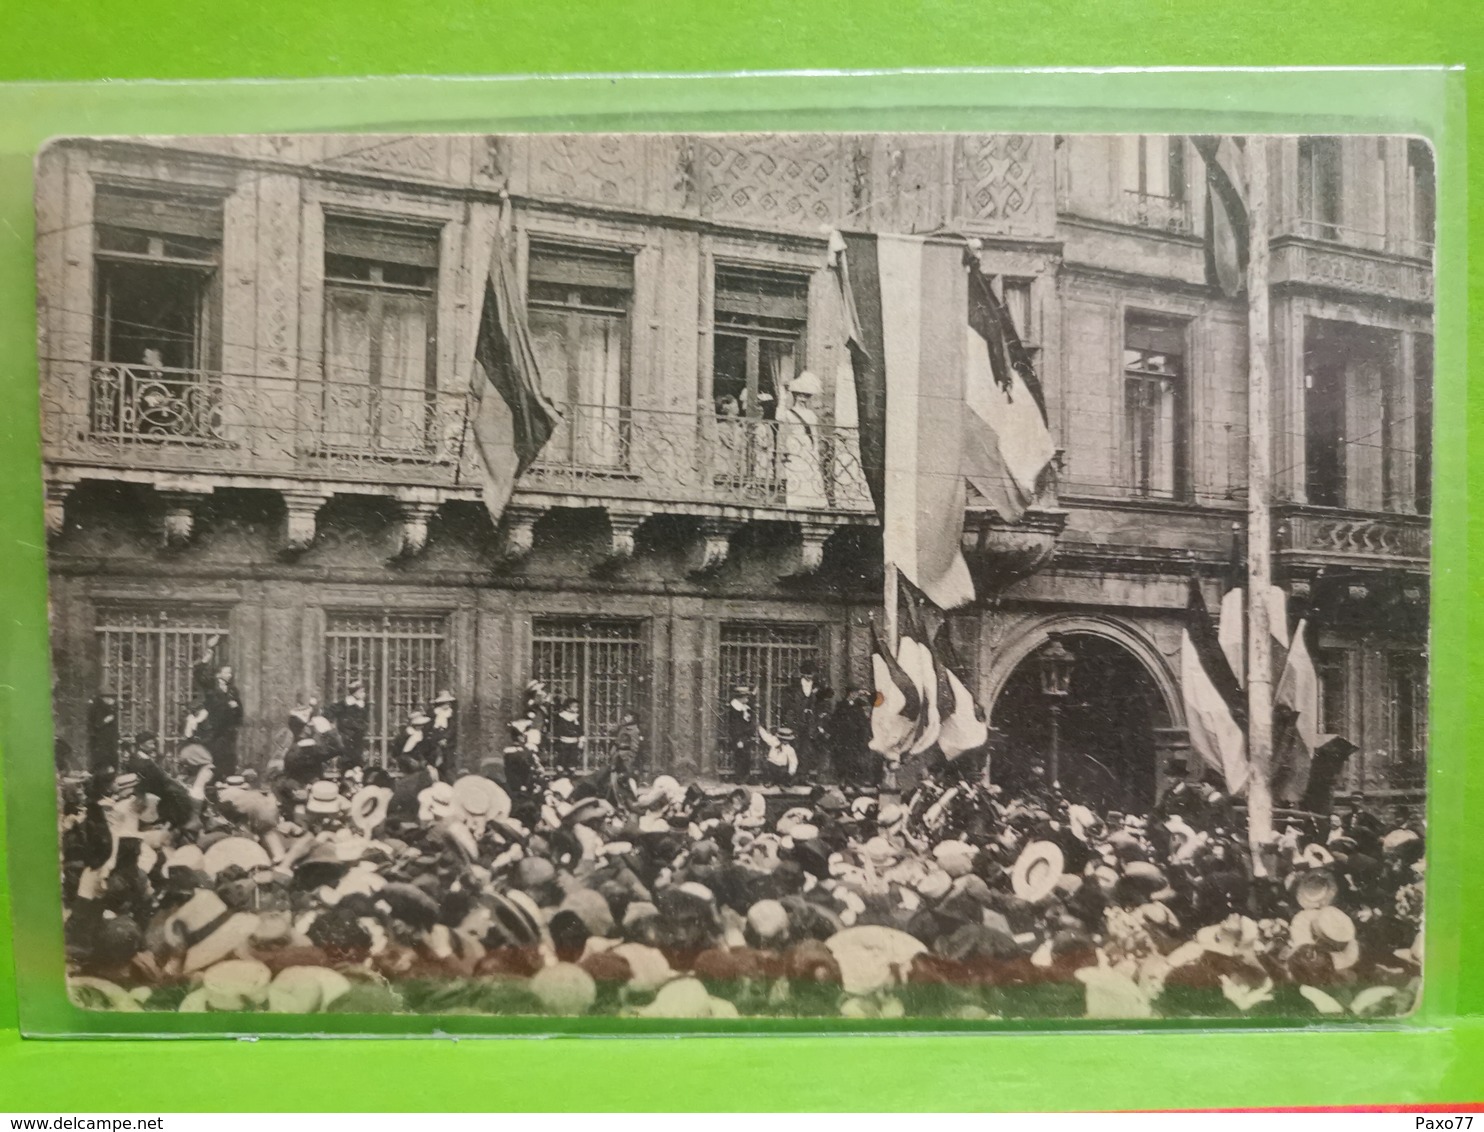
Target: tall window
1153, 170
1017, 293
601, 663
403, 658
157, 302
146, 656
1422, 192
767, 657
380, 327
1422, 376
1320, 186
1406, 680
1154, 407
759, 340
1325, 413
580, 303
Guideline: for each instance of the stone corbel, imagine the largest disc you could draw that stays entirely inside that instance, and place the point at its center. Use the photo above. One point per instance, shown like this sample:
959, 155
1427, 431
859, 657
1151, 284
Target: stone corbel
812, 537
623, 527
517, 537
713, 544
55, 505
301, 520
413, 519
178, 517
1358, 591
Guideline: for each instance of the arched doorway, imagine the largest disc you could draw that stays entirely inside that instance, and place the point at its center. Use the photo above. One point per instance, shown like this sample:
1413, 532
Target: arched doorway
1108, 721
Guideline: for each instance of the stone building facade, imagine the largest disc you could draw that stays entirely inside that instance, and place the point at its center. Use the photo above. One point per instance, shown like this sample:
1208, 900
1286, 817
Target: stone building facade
254, 363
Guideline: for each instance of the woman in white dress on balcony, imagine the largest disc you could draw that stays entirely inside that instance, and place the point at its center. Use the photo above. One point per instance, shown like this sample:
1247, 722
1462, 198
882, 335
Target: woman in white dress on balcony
799, 442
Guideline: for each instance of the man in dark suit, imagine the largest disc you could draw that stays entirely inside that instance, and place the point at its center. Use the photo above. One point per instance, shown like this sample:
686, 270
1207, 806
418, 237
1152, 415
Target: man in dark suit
352, 718
741, 733
850, 737
803, 702
218, 713
445, 731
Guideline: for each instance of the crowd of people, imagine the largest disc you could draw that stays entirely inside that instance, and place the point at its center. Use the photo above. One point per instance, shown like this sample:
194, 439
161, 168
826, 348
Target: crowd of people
535, 886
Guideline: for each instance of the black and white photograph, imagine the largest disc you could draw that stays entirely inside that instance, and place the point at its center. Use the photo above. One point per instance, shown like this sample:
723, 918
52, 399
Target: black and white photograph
965, 577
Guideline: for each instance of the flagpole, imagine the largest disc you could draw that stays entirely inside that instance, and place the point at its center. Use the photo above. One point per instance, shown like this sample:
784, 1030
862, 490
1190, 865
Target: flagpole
1259, 519
889, 602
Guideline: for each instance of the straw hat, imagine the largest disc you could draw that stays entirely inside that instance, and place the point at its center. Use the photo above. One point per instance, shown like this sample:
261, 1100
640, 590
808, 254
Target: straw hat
1329, 928
435, 802
480, 798
368, 808
1038, 868
324, 798
236, 984
243, 852
1316, 888
873, 957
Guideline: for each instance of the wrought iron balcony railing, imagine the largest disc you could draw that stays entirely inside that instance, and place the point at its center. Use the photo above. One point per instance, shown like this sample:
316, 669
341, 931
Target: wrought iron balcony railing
1162, 213
186, 421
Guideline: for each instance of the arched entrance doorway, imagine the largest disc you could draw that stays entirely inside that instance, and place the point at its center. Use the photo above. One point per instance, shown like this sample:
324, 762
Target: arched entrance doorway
1107, 725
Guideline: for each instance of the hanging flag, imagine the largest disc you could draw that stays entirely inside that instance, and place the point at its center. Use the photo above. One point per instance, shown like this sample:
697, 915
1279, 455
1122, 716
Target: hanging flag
896, 707
1231, 628
509, 415
906, 341
964, 727
917, 660
1008, 446
1296, 734
1214, 713
1226, 213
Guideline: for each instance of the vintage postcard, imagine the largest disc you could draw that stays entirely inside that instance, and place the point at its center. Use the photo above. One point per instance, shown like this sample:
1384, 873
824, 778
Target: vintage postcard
938, 576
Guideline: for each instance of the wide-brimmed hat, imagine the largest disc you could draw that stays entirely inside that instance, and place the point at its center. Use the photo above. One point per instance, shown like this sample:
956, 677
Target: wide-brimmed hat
445, 697
794, 815
236, 984
589, 810
480, 798
435, 802
306, 990
243, 852
193, 756
1236, 933
1329, 928
784, 733
806, 383
1315, 888
873, 957
419, 719
368, 808
1037, 869
324, 798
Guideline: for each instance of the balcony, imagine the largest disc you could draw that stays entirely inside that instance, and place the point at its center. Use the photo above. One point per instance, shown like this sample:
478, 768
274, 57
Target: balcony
268, 431
1356, 540
1159, 213
1321, 256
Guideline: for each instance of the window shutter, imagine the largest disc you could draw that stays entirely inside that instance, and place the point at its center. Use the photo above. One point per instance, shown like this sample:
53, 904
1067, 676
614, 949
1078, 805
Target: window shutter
582, 267
759, 295
382, 243
174, 215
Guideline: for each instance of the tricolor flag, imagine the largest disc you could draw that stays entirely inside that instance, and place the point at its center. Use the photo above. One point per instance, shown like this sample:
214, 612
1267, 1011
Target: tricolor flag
896, 707
964, 727
1009, 445
1214, 712
1226, 213
510, 417
945, 395
1296, 734
1231, 628
917, 660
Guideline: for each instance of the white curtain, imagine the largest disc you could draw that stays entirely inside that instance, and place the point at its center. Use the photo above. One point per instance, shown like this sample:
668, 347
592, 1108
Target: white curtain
403, 397
347, 396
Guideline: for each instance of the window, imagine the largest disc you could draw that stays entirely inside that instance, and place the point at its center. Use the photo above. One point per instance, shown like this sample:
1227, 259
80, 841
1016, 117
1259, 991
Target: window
767, 657
1320, 186
1154, 407
1017, 295
1422, 201
403, 658
1154, 181
380, 326
1325, 411
1422, 422
580, 302
759, 340
602, 664
157, 300
1406, 695
147, 658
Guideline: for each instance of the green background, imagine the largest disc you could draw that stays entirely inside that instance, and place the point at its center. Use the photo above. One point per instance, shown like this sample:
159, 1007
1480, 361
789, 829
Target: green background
1440, 1058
